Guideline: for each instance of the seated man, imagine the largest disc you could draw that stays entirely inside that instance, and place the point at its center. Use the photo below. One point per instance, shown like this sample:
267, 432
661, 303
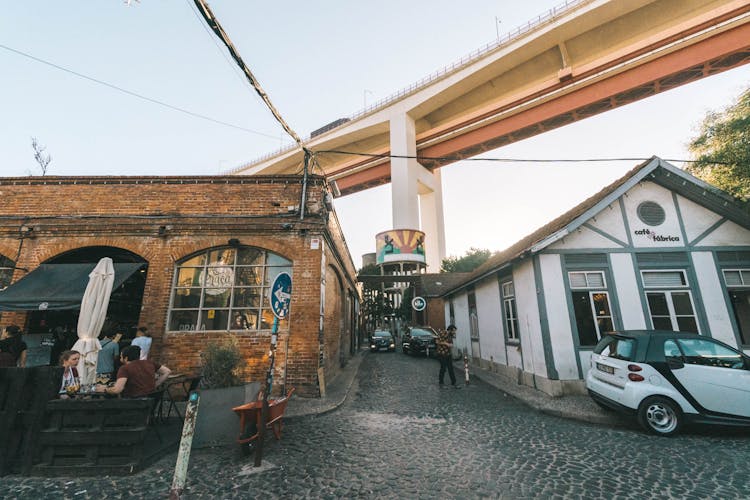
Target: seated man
136, 377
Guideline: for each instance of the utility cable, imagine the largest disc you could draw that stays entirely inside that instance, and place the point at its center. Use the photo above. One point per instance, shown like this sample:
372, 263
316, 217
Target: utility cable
213, 23
205, 28
134, 94
508, 160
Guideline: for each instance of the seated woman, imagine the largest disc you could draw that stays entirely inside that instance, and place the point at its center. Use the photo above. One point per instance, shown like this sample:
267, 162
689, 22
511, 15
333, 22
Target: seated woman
70, 382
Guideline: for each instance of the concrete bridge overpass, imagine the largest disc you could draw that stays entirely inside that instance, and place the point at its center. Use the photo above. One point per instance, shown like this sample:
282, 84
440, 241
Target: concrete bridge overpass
580, 59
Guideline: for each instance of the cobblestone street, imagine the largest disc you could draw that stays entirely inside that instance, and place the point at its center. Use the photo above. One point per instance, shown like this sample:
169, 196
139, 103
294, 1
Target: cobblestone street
399, 435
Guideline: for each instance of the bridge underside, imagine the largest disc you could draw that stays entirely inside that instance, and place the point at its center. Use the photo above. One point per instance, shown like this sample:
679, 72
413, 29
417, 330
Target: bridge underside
659, 75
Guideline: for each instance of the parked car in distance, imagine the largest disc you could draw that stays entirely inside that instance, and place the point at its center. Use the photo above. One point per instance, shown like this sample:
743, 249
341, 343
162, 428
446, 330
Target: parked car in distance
668, 378
382, 340
419, 340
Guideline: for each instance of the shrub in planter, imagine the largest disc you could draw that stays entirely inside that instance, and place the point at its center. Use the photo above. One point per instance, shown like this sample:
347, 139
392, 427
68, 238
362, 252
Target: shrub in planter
220, 365
222, 390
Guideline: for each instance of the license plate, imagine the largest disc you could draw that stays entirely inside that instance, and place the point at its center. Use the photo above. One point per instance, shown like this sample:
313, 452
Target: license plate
605, 368
383, 349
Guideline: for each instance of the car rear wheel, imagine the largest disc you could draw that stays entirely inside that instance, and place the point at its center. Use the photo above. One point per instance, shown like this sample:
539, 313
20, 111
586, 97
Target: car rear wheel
660, 415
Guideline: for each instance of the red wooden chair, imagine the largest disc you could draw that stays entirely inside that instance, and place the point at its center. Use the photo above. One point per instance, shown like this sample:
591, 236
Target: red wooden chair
250, 419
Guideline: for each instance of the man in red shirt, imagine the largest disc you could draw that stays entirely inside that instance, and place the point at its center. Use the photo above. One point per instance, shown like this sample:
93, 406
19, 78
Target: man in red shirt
136, 377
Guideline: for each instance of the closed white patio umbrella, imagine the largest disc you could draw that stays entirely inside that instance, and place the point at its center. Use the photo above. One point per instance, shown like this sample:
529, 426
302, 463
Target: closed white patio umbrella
91, 319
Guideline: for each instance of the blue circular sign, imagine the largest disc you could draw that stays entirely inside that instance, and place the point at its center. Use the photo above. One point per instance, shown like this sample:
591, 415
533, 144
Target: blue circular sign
418, 303
281, 295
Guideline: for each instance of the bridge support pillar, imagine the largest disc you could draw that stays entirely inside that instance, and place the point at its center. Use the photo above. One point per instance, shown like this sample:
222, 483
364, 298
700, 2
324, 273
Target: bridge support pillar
416, 193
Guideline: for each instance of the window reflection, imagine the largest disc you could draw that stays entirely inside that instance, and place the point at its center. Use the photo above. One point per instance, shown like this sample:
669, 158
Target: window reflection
225, 289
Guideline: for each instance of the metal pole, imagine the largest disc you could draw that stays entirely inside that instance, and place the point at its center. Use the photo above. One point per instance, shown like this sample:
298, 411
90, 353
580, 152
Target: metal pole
466, 369
266, 392
183, 455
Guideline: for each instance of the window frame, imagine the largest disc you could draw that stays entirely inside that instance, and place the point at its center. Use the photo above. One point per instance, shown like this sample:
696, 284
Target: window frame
739, 270
668, 291
586, 274
6, 264
590, 290
743, 333
267, 265
510, 311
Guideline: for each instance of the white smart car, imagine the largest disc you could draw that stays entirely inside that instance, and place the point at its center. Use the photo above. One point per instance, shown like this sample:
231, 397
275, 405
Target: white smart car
668, 378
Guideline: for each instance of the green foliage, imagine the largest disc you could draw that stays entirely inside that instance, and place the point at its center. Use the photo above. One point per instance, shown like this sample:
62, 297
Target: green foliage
404, 311
221, 362
374, 305
722, 149
472, 259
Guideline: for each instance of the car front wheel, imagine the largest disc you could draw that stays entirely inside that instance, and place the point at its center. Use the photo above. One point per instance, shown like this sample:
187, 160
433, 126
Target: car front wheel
660, 415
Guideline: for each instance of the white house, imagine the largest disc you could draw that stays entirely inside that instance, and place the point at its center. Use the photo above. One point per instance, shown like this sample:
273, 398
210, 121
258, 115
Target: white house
657, 248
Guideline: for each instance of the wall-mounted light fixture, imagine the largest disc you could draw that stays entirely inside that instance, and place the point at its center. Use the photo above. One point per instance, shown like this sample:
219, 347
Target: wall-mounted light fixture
27, 232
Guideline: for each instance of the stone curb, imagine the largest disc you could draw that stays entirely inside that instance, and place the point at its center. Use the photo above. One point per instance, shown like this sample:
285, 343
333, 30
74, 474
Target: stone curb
544, 403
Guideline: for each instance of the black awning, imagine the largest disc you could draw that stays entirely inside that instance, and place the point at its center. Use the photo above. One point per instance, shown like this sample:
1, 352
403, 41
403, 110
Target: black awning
57, 286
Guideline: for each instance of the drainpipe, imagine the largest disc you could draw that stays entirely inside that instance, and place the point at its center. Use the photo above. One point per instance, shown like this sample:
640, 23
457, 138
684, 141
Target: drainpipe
304, 185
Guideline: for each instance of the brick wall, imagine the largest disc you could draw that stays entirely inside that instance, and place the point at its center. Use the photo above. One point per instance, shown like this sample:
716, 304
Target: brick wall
165, 219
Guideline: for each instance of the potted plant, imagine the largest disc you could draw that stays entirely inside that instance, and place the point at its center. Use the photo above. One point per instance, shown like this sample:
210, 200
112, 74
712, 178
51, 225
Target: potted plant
221, 390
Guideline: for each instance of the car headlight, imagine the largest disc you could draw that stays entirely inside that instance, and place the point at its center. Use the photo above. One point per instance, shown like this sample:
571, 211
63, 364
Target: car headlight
392, 345
372, 345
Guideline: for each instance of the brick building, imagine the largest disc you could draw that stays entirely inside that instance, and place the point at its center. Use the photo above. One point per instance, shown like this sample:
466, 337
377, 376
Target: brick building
202, 252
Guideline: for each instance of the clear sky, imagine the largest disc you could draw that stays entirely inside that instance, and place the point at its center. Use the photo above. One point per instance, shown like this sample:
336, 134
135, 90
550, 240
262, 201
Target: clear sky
318, 61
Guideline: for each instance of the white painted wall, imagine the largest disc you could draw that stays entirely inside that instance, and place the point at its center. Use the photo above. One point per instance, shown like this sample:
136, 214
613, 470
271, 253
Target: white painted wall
558, 317
695, 218
626, 287
717, 314
491, 338
648, 191
610, 221
728, 234
584, 237
528, 318
461, 310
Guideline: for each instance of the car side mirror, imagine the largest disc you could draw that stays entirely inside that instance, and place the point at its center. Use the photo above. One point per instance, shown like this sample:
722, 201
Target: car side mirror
675, 364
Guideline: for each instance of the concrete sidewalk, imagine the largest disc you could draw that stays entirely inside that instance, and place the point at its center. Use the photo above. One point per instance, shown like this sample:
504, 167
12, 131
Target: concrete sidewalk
336, 393
580, 408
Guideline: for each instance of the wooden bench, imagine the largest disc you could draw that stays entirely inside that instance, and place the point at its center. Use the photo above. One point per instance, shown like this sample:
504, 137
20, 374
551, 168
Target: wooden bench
250, 419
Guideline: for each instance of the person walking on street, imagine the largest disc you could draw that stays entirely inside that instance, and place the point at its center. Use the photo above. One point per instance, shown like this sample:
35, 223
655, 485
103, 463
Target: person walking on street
444, 348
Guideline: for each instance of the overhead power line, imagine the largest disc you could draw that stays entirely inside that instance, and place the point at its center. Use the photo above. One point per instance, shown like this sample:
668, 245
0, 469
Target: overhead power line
213, 23
135, 94
507, 160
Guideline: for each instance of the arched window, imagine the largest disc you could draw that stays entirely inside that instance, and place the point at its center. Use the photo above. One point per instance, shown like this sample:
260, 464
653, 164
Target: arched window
6, 271
225, 288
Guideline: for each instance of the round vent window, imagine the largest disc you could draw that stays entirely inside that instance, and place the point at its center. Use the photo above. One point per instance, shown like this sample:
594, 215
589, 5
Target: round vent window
651, 213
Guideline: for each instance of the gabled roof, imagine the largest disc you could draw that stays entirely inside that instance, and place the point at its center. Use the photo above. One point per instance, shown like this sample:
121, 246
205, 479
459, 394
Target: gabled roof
436, 284
656, 170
